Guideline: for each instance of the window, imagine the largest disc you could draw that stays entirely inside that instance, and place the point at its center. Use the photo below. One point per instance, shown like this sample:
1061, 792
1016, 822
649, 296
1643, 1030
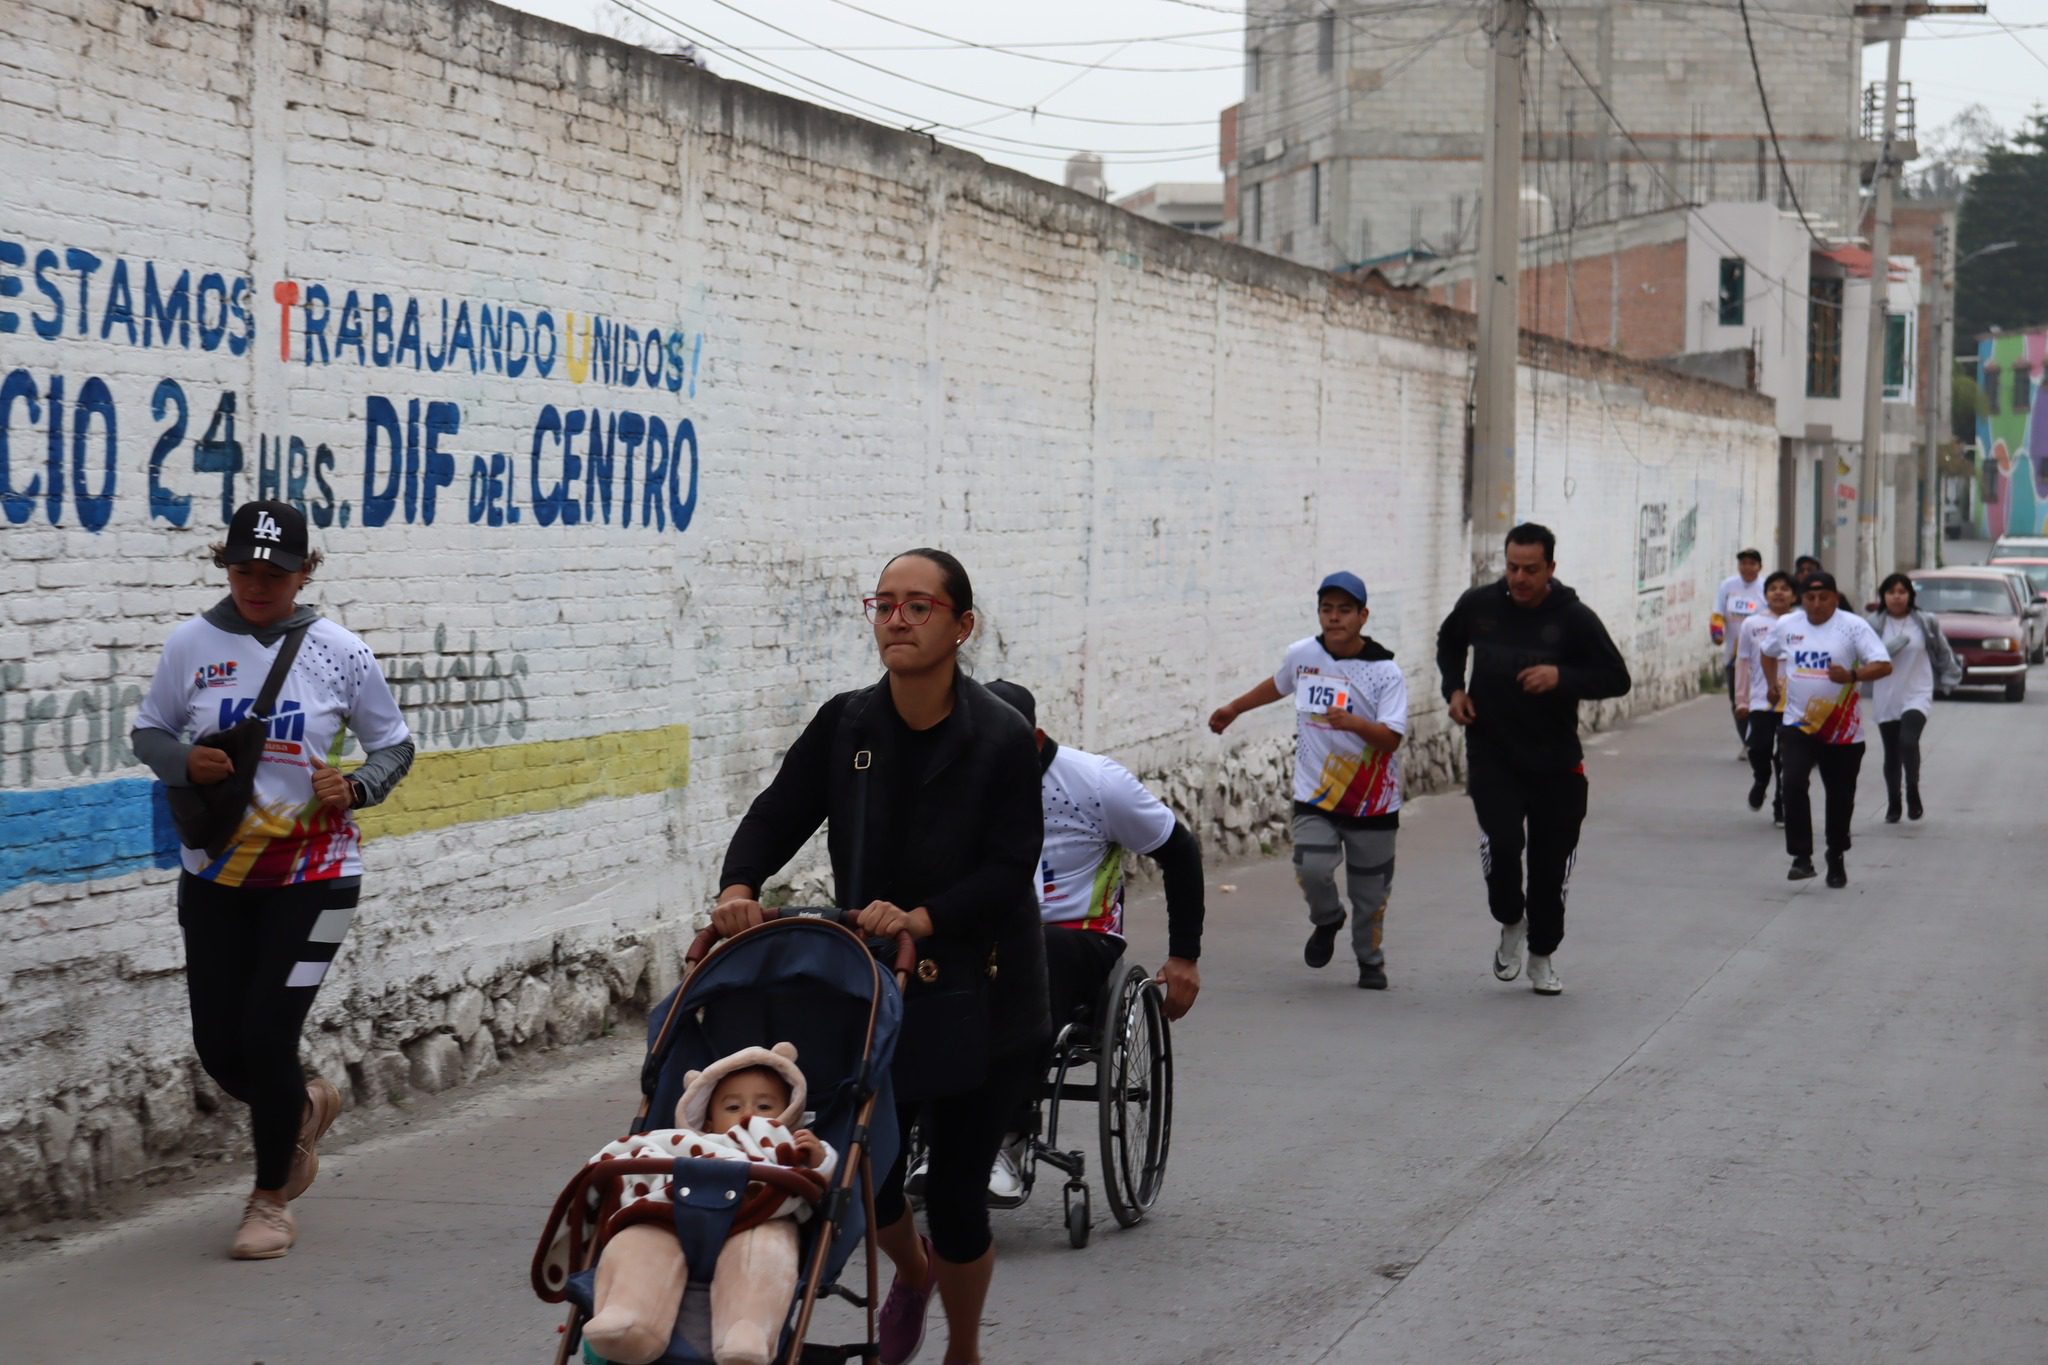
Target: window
1824, 339
1898, 351
1326, 42
1255, 69
2022, 390
1315, 193
1734, 285
1990, 390
1259, 213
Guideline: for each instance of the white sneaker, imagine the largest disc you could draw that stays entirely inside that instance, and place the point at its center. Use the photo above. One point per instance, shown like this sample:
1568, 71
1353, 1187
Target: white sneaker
1507, 959
1543, 976
1005, 1180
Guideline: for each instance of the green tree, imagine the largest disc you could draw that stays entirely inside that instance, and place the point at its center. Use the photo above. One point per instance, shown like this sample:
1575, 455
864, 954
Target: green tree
2006, 202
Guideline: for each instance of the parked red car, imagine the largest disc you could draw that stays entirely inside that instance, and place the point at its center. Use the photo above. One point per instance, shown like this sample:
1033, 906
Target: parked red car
1980, 611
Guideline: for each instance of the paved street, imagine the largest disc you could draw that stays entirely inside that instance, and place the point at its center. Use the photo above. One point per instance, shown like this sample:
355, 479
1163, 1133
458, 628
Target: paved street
1766, 1122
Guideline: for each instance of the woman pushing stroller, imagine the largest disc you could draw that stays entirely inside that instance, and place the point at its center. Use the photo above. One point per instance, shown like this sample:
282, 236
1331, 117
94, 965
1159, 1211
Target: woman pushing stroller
929, 786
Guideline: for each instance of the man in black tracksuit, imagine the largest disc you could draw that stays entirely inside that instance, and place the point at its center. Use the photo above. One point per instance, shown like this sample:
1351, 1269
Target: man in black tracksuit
1537, 652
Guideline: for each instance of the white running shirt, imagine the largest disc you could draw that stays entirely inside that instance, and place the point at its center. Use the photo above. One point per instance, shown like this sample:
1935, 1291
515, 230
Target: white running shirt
1814, 702
209, 678
1737, 601
1094, 810
1335, 770
1749, 654
1910, 687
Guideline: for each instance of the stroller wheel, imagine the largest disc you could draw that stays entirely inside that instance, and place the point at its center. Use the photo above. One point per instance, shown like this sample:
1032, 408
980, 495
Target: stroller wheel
1077, 1214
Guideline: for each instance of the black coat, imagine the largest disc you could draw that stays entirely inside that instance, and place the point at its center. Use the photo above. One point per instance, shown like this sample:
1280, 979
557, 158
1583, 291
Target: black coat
965, 847
1532, 732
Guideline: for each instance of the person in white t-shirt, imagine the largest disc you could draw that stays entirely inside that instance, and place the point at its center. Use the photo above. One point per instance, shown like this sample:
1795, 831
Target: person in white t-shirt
1351, 715
1922, 661
263, 919
1095, 812
1741, 596
1755, 706
1814, 658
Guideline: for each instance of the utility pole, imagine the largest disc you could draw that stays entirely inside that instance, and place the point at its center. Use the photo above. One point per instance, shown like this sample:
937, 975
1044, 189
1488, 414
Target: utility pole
1497, 291
1937, 370
1873, 482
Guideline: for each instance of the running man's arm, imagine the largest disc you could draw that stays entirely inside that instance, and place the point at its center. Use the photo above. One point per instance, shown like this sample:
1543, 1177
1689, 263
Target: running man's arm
1265, 694
1453, 642
1598, 671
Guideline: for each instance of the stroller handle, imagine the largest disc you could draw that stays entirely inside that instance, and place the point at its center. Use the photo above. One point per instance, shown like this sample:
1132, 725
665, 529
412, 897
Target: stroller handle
906, 947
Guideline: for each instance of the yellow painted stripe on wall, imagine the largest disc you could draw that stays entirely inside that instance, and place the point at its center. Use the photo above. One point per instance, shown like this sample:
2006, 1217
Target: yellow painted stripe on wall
462, 786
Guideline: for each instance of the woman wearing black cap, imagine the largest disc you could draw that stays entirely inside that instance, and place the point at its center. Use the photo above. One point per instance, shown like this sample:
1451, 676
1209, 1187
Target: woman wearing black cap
930, 788
264, 912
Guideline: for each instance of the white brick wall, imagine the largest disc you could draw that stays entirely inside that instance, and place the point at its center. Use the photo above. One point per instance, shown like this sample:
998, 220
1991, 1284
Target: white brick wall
1146, 447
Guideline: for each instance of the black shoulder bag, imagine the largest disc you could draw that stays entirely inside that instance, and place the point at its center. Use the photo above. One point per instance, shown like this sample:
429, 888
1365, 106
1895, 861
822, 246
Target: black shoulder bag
943, 1046
208, 816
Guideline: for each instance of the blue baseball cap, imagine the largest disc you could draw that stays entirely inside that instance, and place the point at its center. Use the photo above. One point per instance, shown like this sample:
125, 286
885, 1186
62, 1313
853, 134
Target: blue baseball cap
1343, 582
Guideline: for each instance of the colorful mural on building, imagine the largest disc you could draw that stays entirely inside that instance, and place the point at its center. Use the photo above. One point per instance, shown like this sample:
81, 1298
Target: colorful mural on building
2011, 493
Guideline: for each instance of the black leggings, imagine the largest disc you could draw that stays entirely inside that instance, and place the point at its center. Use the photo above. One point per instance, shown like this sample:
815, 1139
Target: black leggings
254, 960
1902, 751
961, 1133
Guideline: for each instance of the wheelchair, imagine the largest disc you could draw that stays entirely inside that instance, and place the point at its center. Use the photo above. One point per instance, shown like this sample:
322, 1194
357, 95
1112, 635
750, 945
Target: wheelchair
1125, 1046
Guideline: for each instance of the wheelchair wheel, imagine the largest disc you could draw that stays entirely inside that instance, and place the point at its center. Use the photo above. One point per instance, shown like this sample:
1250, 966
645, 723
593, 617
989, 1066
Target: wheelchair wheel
1134, 1081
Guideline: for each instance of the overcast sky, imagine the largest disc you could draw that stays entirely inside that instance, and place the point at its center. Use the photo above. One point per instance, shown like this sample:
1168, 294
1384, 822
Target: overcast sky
1167, 128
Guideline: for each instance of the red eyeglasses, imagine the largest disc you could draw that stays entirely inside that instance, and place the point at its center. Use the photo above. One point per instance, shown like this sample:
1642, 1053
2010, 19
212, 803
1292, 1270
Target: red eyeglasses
916, 608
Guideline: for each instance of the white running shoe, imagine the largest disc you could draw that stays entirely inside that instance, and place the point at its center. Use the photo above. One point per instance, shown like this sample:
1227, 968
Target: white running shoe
1543, 976
1507, 959
1005, 1180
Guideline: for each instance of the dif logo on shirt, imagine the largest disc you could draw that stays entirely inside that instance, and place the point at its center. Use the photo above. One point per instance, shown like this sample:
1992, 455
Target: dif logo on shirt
214, 675
288, 724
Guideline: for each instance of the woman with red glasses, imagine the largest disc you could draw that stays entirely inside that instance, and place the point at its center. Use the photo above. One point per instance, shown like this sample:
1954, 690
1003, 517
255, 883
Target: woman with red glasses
929, 786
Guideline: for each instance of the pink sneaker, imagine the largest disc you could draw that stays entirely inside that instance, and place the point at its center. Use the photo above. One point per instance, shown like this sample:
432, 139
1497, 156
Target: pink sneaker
902, 1319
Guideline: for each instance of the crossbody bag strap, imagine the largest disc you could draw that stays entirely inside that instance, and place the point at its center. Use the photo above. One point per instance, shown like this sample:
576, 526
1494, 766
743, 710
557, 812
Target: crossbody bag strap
288, 650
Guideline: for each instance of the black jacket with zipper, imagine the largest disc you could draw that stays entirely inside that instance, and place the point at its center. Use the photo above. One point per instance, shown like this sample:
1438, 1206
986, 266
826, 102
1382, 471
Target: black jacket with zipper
966, 846
1536, 733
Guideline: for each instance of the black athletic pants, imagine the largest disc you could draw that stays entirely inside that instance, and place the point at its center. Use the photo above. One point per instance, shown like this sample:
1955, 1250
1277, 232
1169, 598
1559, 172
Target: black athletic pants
961, 1133
254, 960
1902, 753
1838, 765
1550, 807
1728, 686
1766, 761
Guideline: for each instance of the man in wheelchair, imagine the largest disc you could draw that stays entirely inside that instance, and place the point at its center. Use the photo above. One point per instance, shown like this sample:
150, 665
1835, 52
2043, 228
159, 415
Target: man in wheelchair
1095, 810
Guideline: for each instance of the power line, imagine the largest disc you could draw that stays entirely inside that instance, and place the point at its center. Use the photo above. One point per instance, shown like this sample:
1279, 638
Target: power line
1784, 171
966, 95
2017, 39
746, 60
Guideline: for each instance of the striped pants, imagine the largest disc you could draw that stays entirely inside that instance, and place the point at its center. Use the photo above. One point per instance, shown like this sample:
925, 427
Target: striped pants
254, 959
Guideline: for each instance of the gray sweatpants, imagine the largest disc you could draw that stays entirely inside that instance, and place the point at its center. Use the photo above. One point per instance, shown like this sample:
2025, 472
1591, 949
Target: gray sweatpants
1320, 843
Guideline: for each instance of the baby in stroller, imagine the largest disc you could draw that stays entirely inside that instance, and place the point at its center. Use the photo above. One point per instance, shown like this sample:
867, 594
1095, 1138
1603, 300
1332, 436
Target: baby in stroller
743, 1107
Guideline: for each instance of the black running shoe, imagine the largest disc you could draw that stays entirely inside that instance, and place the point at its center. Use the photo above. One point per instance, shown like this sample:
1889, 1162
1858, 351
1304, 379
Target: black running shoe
1372, 976
1914, 810
1892, 813
1758, 790
1321, 945
1802, 870
1838, 871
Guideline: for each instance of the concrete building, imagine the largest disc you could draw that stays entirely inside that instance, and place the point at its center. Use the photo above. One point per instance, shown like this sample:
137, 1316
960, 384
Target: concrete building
1360, 132
1740, 292
1190, 205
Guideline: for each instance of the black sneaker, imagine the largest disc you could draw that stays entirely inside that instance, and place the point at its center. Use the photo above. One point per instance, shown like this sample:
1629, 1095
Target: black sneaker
1914, 810
1892, 813
1758, 790
1372, 976
1321, 945
1838, 871
1802, 869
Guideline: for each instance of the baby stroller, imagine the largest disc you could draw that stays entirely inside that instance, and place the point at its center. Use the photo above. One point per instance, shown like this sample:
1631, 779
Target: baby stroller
803, 977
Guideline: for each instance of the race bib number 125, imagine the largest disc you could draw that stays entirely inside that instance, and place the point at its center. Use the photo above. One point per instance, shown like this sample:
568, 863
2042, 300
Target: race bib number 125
1316, 695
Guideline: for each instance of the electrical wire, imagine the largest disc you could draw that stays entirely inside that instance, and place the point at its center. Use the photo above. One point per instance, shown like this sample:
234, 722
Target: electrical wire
2017, 39
967, 95
740, 56
1784, 171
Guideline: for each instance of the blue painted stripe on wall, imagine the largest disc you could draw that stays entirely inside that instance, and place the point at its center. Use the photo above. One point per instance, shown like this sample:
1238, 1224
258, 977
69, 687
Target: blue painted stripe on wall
74, 834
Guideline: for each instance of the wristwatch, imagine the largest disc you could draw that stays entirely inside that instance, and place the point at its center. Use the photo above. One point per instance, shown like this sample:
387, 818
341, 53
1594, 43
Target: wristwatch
358, 795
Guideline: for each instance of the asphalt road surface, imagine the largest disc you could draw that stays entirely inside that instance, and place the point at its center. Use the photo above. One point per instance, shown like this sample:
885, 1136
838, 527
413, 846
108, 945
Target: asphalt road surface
1766, 1121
